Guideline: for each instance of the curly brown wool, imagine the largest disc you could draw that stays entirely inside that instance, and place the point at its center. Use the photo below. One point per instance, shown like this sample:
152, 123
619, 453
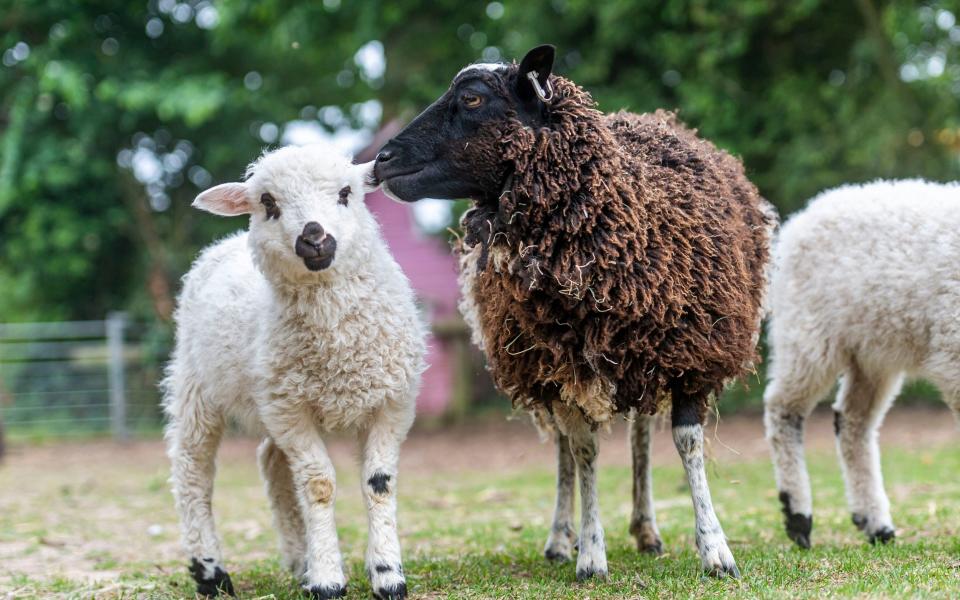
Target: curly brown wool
624, 252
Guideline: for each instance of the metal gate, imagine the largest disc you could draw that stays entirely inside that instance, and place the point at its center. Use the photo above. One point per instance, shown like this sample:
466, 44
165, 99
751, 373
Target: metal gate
79, 378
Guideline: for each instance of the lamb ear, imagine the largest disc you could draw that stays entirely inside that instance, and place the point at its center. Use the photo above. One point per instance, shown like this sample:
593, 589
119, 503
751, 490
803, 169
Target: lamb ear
226, 200
539, 59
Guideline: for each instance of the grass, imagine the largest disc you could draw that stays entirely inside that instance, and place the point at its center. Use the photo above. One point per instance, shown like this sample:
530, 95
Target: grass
471, 534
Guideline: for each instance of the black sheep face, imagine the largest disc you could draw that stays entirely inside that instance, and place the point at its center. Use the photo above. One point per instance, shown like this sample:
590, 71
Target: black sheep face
451, 149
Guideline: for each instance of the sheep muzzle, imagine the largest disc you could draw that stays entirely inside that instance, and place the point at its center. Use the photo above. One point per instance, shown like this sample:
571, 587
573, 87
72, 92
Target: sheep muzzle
315, 247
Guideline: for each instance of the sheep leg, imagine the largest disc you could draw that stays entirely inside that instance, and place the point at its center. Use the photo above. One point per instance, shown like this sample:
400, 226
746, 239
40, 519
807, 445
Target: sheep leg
592, 560
861, 404
314, 480
687, 423
563, 537
788, 400
381, 455
192, 442
275, 470
643, 524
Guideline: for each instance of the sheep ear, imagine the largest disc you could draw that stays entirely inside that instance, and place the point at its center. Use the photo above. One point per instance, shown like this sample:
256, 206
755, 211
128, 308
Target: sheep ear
540, 60
226, 200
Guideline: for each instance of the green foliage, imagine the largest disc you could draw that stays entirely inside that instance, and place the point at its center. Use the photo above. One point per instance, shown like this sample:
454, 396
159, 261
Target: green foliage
810, 94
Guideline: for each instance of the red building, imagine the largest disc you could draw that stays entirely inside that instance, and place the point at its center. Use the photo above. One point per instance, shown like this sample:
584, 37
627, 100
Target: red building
431, 268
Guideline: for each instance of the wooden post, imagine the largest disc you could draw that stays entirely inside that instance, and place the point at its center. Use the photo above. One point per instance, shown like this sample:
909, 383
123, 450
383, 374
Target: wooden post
115, 324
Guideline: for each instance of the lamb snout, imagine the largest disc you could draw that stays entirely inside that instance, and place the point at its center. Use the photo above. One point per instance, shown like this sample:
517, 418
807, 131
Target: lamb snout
316, 247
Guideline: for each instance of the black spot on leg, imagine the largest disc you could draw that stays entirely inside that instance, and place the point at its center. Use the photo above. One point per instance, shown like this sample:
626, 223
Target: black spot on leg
859, 520
383, 568
378, 483
837, 423
798, 526
793, 421
218, 584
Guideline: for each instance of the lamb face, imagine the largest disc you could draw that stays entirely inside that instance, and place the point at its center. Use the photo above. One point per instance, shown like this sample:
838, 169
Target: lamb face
306, 212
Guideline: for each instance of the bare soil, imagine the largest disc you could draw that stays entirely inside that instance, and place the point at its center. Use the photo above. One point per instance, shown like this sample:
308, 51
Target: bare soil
508, 444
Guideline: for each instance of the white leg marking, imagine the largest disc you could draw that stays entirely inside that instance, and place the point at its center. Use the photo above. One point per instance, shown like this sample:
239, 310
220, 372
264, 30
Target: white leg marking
192, 442
381, 453
793, 391
282, 494
711, 543
315, 481
861, 404
643, 523
562, 536
592, 560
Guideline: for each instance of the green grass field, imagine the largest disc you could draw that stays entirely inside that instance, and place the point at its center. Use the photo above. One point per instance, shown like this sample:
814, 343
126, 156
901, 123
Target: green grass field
90, 520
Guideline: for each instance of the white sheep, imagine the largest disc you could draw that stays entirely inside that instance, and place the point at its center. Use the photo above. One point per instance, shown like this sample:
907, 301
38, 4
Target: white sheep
302, 325
866, 285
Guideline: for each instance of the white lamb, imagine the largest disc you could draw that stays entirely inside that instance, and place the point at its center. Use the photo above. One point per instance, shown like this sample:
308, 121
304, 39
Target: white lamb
866, 285
303, 325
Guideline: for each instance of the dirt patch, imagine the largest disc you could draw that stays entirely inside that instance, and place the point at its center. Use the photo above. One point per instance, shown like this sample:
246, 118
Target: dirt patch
506, 444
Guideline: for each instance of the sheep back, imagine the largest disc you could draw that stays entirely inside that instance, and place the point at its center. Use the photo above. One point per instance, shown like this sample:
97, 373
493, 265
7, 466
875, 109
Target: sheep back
626, 258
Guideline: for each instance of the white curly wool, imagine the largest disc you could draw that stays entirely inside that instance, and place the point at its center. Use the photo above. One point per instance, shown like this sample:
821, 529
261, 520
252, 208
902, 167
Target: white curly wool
291, 353
866, 286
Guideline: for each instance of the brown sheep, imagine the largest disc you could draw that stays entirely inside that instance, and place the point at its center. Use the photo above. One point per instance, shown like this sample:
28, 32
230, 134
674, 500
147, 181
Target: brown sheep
610, 263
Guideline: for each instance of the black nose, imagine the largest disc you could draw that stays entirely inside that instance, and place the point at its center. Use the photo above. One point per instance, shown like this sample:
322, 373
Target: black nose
315, 247
312, 233
384, 155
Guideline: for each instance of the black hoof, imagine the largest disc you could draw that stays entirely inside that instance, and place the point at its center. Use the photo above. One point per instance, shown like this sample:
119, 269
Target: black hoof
801, 539
213, 586
655, 548
727, 571
556, 557
883, 536
391, 592
798, 526
326, 592
588, 574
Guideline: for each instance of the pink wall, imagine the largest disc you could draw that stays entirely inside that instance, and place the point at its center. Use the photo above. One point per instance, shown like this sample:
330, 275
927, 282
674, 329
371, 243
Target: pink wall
430, 266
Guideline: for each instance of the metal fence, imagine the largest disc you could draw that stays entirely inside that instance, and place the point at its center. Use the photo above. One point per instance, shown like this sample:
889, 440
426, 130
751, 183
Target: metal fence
81, 377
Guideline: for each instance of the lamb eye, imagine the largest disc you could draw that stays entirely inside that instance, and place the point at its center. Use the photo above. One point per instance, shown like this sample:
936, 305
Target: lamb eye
344, 195
472, 100
269, 203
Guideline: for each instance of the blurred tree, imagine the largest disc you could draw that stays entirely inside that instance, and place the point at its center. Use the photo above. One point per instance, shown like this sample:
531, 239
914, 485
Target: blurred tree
114, 114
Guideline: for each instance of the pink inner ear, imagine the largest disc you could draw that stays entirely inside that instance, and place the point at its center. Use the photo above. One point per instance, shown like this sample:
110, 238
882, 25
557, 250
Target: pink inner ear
226, 199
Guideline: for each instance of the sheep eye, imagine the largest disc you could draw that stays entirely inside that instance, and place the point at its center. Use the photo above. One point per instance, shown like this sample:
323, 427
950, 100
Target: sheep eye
472, 100
344, 195
268, 202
